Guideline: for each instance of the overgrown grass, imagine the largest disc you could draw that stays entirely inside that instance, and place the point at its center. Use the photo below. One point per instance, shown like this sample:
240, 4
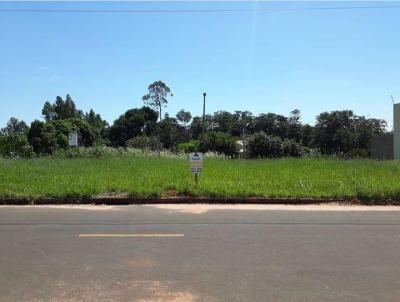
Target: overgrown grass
142, 175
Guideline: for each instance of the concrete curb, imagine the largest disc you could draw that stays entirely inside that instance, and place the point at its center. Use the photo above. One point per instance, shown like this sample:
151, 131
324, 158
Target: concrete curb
188, 200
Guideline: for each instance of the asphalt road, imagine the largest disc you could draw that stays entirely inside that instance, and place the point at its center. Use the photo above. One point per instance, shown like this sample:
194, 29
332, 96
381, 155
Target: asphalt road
80, 254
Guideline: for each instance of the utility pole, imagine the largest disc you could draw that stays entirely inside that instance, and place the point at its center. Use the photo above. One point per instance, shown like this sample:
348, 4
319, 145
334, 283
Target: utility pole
204, 113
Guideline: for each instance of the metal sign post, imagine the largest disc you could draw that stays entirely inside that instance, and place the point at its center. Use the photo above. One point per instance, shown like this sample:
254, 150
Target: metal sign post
196, 164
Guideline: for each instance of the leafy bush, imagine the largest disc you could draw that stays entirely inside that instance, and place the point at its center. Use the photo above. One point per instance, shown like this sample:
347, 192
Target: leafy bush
219, 142
357, 153
311, 152
144, 142
42, 137
291, 148
187, 147
46, 138
87, 135
15, 145
132, 123
262, 145
171, 133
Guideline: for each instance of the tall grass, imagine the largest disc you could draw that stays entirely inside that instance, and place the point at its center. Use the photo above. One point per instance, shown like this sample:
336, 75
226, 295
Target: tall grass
104, 151
145, 174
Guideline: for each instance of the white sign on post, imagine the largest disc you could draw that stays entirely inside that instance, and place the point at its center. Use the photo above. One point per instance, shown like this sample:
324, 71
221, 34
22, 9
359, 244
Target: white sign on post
73, 139
196, 162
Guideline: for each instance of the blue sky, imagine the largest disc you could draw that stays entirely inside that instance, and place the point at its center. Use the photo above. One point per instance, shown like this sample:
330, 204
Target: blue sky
275, 61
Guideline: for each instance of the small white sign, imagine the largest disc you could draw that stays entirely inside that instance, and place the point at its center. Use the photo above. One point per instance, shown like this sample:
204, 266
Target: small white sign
196, 162
73, 139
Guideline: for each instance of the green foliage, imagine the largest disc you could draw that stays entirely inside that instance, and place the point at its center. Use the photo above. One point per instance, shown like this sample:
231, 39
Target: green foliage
132, 123
307, 135
291, 148
188, 147
223, 121
357, 153
183, 117
307, 152
196, 127
61, 109
100, 126
272, 124
294, 126
87, 135
145, 142
15, 126
262, 145
338, 132
15, 145
219, 142
42, 137
157, 95
171, 133
45, 138
95, 120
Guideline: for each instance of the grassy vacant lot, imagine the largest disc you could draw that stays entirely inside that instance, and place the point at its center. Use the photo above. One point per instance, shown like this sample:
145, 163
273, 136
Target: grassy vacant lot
152, 176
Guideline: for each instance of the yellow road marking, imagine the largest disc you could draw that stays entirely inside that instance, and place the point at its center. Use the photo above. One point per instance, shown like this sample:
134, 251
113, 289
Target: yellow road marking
131, 235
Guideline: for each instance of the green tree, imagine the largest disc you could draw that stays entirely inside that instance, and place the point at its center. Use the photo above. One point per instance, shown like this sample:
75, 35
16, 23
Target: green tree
87, 134
95, 120
99, 125
132, 123
157, 95
294, 126
365, 128
183, 117
45, 138
307, 135
144, 142
272, 124
42, 138
335, 132
219, 142
262, 145
223, 121
15, 145
171, 133
196, 127
241, 123
61, 109
15, 126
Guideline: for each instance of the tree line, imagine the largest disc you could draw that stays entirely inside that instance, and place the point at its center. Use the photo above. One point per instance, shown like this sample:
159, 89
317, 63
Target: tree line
231, 133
